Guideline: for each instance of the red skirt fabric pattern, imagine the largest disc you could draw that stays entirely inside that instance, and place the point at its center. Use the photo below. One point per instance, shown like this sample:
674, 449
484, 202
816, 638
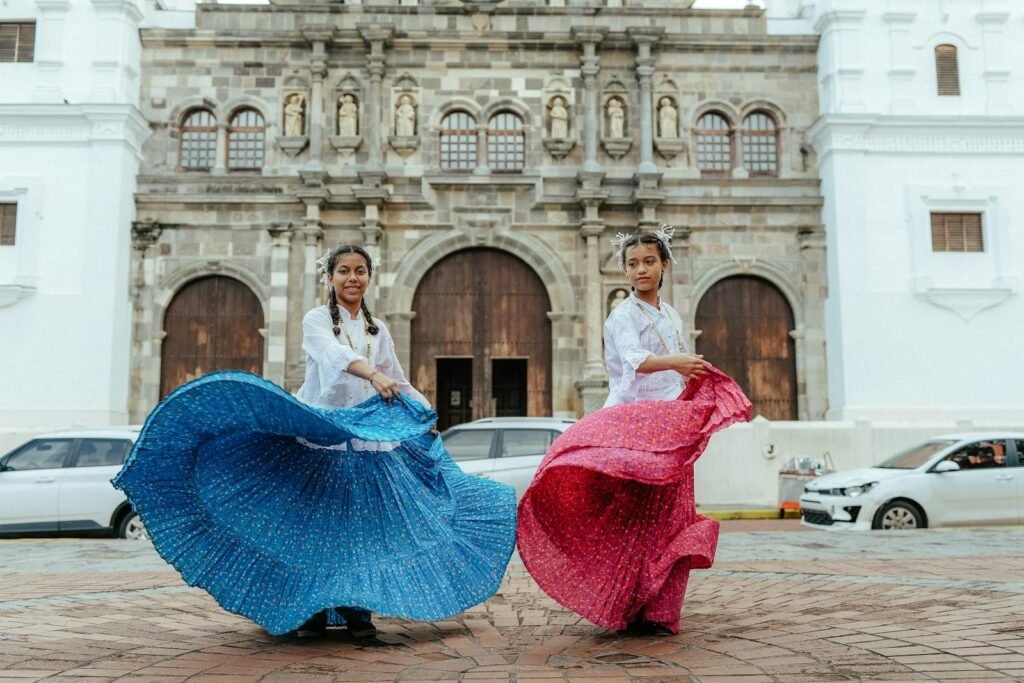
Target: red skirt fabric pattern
608, 526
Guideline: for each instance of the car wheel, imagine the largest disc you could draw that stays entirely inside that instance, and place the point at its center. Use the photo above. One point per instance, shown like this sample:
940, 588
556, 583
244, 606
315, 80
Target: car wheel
898, 515
132, 528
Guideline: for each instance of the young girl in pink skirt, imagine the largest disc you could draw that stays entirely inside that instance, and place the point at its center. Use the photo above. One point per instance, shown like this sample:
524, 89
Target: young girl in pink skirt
608, 526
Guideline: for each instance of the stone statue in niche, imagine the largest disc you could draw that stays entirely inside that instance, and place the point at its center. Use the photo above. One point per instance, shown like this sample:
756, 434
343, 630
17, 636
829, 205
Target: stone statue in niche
668, 118
559, 119
348, 117
405, 117
616, 118
617, 297
294, 115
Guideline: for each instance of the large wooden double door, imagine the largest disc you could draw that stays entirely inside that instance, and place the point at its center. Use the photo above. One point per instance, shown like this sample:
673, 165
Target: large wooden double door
481, 337
212, 323
744, 325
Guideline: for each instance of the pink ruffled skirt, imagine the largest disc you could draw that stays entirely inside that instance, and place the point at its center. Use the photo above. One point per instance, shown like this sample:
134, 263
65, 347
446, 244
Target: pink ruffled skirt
608, 526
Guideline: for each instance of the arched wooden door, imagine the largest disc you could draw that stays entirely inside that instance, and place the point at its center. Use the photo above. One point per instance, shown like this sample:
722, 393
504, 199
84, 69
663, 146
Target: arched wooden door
744, 325
212, 324
481, 338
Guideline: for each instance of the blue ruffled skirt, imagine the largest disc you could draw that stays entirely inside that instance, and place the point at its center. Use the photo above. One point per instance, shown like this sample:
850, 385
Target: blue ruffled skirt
270, 506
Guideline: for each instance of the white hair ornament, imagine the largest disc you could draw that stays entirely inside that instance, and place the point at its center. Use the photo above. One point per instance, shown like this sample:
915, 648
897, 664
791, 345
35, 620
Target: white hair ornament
664, 235
321, 266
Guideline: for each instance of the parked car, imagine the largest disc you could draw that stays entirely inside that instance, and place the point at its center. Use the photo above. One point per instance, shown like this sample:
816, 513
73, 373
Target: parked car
950, 480
507, 449
60, 483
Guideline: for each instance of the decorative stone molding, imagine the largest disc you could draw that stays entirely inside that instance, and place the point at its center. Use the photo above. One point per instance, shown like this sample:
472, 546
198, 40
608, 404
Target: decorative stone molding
404, 145
670, 148
292, 145
616, 147
559, 147
966, 303
11, 294
346, 145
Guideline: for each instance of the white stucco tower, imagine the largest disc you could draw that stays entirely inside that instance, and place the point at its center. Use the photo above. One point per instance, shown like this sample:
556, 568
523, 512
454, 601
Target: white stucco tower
921, 149
70, 140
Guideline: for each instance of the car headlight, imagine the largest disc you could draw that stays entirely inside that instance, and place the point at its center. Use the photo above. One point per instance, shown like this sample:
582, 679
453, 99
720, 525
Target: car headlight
854, 491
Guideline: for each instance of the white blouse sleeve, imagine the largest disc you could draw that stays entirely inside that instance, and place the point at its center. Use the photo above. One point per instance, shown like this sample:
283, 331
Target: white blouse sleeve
388, 364
625, 337
328, 354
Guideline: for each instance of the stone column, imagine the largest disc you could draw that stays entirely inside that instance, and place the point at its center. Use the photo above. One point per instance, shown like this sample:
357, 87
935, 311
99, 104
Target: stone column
318, 72
277, 320
679, 288
593, 386
646, 195
144, 388
811, 371
481, 149
310, 235
644, 39
376, 37
590, 68
220, 163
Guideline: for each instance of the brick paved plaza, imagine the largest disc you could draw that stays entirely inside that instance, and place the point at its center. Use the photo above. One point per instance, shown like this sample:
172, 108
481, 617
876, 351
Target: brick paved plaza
778, 606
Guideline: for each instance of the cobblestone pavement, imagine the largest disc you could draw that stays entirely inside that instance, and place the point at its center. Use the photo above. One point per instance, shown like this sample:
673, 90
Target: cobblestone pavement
777, 606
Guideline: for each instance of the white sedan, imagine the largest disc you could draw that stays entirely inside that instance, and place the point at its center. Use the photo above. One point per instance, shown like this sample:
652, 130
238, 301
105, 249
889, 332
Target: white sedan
60, 483
506, 449
951, 480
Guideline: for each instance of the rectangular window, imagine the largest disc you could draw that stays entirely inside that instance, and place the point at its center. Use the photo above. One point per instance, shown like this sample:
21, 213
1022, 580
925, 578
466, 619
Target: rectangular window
957, 232
947, 71
8, 214
17, 41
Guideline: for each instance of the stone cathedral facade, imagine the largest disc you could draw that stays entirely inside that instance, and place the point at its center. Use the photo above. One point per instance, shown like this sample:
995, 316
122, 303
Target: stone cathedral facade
486, 152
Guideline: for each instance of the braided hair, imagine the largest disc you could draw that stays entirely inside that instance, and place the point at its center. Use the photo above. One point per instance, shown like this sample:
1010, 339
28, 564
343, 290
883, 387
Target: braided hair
647, 238
332, 299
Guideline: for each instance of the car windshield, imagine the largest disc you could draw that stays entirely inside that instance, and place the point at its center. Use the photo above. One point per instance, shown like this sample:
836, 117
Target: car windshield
912, 458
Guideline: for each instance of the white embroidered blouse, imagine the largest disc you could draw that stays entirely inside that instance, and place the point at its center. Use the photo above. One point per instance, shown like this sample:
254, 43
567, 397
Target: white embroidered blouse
326, 384
631, 336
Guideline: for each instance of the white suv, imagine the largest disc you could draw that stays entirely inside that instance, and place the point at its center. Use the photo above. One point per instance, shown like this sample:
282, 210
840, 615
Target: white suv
506, 449
60, 483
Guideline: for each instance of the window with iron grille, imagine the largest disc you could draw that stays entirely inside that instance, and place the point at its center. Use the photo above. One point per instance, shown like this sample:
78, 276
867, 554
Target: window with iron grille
760, 144
246, 137
458, 142
198, 150
947, 70
506, 143
714, 144
17, 41
957, 232
8, 216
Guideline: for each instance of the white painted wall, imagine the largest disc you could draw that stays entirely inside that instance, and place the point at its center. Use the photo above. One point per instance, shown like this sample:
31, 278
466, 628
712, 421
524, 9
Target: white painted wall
740, 468
914, 335
70, 139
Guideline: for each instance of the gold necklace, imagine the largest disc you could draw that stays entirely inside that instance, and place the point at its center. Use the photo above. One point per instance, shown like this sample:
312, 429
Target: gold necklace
664, 344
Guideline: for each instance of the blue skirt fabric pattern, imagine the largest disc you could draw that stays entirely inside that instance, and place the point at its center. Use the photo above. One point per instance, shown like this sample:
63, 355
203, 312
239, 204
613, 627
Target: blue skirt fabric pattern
280, 510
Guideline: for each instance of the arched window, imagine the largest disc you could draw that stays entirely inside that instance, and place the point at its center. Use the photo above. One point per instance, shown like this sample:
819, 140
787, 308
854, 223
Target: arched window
760, 144
947, 70
247, 133
198, 151
714, 144
506, 142
458, 142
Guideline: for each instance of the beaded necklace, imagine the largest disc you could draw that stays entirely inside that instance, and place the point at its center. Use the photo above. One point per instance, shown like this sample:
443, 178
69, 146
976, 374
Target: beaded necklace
664, 344
366, 331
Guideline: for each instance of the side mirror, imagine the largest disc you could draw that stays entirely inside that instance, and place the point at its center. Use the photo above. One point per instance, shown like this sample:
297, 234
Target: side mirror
947, 466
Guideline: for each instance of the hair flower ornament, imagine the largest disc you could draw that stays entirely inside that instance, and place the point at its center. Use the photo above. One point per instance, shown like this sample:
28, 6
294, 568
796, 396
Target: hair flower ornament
321, 267
622, 240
